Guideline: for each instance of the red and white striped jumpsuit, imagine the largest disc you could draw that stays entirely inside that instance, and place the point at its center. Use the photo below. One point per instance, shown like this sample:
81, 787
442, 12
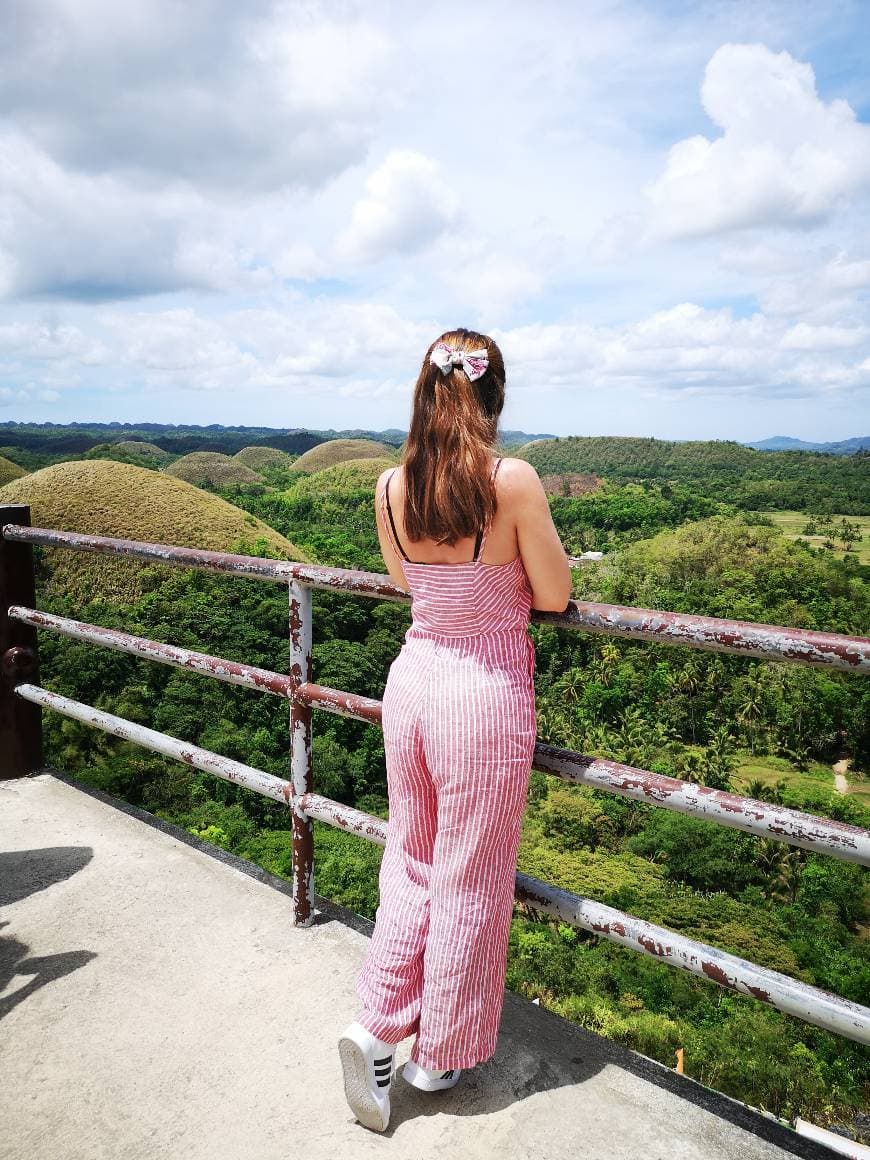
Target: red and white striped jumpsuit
459, 734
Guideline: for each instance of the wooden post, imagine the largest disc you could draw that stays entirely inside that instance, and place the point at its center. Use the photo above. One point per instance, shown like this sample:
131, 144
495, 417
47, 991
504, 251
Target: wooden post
20, 720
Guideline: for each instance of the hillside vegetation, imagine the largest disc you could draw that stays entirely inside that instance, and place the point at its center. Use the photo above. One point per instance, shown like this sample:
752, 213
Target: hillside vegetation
140, 447
340, 450
752, 480
9, 470
105, 498
209, 467
350, 475
263, 459
571, 483
127, 451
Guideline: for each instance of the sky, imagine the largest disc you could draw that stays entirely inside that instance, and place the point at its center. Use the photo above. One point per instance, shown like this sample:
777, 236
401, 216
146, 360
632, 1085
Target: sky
256, 212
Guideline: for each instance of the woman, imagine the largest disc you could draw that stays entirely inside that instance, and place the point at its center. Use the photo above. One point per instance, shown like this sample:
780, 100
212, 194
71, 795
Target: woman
471, 537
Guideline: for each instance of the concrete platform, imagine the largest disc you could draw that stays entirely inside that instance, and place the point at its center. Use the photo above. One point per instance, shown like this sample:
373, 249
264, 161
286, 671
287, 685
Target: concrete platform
157, 1002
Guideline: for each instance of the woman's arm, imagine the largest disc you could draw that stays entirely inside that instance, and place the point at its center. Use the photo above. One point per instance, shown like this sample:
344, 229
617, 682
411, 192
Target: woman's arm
544, 558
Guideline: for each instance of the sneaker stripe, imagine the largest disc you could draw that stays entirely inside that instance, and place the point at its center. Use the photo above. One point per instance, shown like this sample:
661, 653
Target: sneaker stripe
383, 1082
386, 1059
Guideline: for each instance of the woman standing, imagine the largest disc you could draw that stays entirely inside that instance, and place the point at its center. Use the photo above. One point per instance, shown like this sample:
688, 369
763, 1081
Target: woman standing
459, 728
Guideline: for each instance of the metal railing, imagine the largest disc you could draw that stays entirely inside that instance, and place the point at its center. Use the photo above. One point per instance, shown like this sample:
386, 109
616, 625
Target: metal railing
22, 699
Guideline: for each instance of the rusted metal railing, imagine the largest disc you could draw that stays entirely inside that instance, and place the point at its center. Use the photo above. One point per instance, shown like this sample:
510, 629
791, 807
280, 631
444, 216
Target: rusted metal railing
22, 700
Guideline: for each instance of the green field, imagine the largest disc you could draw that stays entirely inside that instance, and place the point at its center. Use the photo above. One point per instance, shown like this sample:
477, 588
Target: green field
792, 525
770, 769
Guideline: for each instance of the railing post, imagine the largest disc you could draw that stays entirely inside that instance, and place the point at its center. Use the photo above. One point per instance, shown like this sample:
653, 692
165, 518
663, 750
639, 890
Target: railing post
300, 755
20, 720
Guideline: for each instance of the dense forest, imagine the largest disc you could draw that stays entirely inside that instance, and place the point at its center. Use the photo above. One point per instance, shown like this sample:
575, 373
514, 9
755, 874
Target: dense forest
681, 528
802, 480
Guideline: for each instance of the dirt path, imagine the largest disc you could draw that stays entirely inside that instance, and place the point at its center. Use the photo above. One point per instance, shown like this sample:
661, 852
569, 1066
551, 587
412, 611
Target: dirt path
839, 769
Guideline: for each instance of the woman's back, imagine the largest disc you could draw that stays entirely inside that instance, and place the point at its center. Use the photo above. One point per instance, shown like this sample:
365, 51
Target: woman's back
521, 533
465, 597
501, 539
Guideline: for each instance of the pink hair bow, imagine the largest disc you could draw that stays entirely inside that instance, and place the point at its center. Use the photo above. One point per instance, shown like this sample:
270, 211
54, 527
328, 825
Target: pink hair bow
473, 362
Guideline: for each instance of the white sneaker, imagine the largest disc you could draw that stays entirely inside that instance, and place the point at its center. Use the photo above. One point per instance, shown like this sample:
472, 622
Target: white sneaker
430, 1080
369, 1065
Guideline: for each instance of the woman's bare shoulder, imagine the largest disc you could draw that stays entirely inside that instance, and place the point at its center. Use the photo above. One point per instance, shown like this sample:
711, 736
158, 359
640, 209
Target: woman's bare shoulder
517, 475
382, 479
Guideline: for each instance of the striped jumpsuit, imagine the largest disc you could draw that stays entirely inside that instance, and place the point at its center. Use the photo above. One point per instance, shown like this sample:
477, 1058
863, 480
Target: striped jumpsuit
459, 733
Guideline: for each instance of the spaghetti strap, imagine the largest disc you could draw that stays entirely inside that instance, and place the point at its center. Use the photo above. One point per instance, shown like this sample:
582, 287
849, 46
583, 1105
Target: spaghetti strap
484, 532
393, 535
389, 523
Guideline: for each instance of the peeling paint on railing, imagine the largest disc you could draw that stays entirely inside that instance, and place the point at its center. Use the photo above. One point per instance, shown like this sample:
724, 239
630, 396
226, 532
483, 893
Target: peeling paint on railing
193, 755
18, 664
763, 641
345, 817
764, 819
300, 753
230, 563
813, 1005
233, 672
746, 638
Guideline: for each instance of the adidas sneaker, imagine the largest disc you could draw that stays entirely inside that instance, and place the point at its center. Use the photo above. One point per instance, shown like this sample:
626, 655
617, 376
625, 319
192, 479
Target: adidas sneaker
430, 1080
368, 1065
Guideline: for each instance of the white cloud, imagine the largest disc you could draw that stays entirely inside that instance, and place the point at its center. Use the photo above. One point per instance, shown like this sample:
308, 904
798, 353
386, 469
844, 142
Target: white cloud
246, 97
785, 157
407, 205
366, 350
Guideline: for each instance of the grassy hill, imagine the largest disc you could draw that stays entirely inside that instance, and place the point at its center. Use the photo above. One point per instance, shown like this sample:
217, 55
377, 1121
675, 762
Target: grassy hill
753, 480
341, 477
105, 498
9, 470
340, 450
141, 447
213, 468
262, 458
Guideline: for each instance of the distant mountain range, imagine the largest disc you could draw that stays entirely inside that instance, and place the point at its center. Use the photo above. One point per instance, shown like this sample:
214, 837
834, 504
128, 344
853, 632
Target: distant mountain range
787, 443
68, 438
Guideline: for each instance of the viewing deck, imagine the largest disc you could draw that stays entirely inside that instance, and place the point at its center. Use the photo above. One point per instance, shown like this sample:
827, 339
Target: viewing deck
158, 1001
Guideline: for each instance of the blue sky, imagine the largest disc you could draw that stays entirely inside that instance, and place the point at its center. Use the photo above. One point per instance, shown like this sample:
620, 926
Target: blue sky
263, 212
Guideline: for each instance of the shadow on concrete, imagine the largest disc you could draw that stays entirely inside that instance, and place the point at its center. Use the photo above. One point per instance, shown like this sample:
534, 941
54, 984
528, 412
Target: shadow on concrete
14, 960
22, 873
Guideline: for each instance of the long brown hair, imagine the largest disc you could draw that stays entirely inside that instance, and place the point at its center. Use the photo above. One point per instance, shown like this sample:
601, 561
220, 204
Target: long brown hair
448, 453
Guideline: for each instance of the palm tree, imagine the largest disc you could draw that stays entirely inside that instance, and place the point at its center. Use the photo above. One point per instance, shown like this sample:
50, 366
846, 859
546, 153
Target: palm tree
782, 867
757, 789
604, 665
751, 709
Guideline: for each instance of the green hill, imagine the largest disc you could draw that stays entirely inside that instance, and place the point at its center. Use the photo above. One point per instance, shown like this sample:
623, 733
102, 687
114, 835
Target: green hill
140, 447
9, 470
340, 450
213, 468
262, 458
341, 477
105, 498
753, 480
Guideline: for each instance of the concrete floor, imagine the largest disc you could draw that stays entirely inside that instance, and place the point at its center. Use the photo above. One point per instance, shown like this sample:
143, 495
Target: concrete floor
157, 1002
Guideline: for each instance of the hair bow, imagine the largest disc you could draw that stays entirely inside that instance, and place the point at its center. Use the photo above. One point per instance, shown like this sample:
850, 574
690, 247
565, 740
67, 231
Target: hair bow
473, 362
